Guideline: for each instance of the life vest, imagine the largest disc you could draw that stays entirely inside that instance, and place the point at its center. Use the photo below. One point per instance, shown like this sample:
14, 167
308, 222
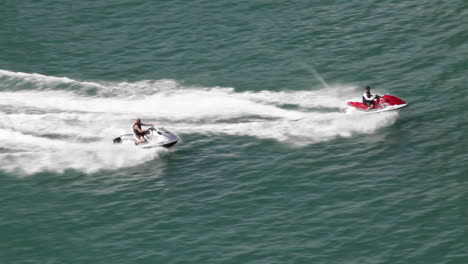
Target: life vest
367, 97
136, 132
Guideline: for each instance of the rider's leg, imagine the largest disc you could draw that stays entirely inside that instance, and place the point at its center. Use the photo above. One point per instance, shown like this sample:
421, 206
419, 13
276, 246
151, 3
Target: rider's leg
142, 139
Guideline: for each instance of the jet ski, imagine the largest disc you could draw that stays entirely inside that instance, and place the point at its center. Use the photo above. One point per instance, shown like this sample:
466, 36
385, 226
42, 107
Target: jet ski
382, 104
156, 137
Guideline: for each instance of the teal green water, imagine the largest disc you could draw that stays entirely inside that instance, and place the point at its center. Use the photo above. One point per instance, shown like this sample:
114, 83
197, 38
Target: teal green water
269, 170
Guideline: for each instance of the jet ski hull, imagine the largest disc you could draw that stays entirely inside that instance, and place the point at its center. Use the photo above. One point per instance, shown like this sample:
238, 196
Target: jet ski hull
383, 104
157, 137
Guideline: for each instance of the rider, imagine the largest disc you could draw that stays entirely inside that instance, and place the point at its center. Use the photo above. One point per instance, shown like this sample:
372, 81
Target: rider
140, 133
369, 99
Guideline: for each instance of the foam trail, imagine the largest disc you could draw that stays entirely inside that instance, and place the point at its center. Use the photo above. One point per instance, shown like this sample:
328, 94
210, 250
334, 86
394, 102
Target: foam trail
67, 129
184, 104
313, 128
21, 81
59, 155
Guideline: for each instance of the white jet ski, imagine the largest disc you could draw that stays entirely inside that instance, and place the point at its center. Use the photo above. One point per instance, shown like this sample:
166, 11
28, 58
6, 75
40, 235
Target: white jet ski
156, 137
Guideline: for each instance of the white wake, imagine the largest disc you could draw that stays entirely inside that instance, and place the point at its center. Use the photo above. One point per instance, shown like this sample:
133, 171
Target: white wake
53, 124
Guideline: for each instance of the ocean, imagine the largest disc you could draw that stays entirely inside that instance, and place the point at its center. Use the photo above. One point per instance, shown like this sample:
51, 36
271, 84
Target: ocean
268, 169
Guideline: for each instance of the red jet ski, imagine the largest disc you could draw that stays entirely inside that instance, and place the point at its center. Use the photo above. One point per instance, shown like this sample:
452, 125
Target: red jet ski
382, 104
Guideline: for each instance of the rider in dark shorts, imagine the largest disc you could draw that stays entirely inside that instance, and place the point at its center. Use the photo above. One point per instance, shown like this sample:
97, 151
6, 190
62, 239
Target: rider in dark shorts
140, 133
